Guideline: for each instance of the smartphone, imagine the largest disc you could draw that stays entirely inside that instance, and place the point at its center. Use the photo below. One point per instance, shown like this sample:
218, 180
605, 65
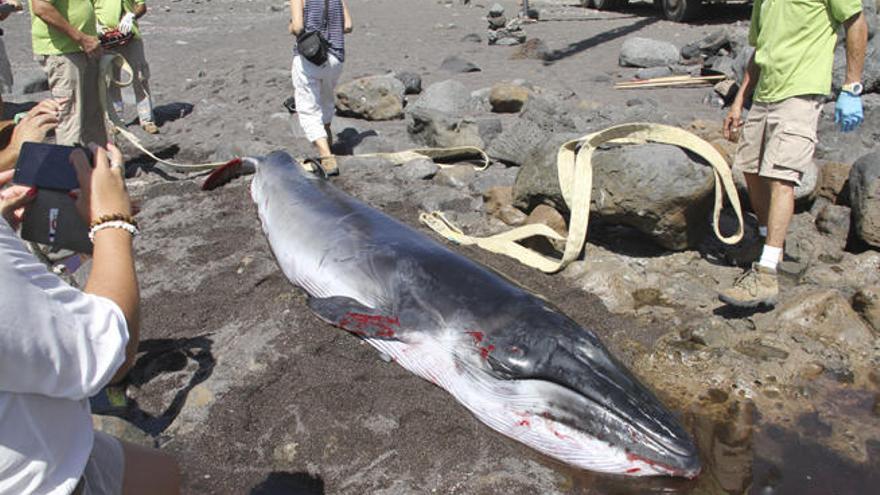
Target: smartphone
52, 219
47, 166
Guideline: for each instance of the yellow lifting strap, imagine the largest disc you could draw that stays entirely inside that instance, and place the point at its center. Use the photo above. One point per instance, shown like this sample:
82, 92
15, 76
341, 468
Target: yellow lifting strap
108, 80
575, 171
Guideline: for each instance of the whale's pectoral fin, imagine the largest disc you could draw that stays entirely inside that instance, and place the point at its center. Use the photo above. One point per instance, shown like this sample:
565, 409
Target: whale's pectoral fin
354, 317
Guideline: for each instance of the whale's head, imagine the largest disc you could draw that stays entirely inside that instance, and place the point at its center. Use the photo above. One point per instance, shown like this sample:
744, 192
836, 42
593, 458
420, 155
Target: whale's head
551, 384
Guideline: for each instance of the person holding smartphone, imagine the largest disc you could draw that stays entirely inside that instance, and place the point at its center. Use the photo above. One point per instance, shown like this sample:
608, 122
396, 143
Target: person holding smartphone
60, 345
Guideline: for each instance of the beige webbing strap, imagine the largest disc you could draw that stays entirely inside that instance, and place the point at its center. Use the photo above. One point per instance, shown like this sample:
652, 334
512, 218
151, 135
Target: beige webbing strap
575, 171
456, 153
108, 62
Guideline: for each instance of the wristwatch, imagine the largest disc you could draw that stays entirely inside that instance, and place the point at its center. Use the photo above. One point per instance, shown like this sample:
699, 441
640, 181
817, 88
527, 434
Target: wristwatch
854, 89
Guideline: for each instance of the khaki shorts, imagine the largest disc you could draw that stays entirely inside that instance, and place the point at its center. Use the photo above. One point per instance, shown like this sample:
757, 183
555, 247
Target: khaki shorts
778, 139
105, 468
75, 77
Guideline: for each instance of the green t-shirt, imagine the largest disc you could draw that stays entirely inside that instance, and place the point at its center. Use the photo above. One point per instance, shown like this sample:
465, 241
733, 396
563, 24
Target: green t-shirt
109, 12
794, 45
47, 40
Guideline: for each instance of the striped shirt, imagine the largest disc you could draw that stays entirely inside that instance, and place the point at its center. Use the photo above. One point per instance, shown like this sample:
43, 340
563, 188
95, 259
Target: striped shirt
313, 15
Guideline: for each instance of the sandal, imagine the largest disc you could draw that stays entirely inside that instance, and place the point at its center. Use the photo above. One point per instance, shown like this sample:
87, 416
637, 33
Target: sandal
328, 165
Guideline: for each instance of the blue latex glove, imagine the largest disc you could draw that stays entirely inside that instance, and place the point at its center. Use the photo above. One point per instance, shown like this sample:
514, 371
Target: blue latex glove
848, 111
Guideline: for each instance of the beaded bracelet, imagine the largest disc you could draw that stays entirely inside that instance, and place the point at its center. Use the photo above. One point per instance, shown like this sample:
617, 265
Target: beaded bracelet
113, 217
113, 224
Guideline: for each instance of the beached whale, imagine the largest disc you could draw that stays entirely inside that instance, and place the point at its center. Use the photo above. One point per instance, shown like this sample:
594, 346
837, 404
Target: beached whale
516, 362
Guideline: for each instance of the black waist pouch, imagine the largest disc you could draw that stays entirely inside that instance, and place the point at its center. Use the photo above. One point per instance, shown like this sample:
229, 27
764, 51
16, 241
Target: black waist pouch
313, 46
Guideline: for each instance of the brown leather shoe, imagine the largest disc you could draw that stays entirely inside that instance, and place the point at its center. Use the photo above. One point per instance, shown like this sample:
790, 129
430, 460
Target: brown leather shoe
756, 286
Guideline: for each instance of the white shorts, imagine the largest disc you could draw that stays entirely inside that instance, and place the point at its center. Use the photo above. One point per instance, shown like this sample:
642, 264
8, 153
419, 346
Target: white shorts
314, 90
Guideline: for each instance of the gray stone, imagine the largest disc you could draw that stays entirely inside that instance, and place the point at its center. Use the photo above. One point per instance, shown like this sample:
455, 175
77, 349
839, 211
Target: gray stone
371, 98
440, 129
724, 65
458, 176
517, 142
644, 52
435, 197
497, 22
448, 96
496, 10
412, 82
413, 170
458, 65
864, 190
652, 72
497, 175
472, 38
657, 189
834, 221
489, 128
866, 302
30, 81
804, 244
506, 37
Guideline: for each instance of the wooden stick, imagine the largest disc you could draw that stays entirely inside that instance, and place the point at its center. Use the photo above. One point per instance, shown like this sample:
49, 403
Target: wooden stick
671, 79
666, 84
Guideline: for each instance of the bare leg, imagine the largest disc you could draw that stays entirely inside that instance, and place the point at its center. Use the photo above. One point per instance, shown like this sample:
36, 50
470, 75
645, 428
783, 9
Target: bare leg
149, 471
323, 146
780, 212
759, 196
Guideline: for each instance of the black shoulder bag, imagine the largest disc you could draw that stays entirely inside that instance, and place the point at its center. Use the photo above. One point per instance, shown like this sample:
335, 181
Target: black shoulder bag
312, 45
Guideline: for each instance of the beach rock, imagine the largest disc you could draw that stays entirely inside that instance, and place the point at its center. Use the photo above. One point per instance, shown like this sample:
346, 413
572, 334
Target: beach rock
508, 98
412, 82
506, 37
122, 430
497, 175
819, 313
864, 193
549, 216
472, 38
496, 10
413, 170
652, 72
448, 96
458, 65
834, 221
435, 128
517, 142
534, 49
371, 98
497, 22
644, 52
832, 182
437, 197
458, 176
866, 302
654, 188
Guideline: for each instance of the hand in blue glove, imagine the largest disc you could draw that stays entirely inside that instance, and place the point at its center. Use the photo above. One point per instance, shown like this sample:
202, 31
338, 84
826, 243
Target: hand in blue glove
848, 111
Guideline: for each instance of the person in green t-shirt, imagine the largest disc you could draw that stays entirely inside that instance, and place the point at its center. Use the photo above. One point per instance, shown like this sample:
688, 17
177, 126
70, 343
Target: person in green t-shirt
66, 45
122, 15
788, 78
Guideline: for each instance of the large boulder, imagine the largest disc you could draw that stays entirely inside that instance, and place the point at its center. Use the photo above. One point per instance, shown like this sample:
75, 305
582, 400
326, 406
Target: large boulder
864, 197
448, 96
657, 189
644, 52
371, 98
435, 128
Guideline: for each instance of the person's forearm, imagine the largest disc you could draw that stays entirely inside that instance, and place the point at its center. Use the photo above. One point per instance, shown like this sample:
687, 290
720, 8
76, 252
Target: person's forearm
113, 276
50, 15
750, 80
8, 157
296, 17
139, 10
347, 26
856, 43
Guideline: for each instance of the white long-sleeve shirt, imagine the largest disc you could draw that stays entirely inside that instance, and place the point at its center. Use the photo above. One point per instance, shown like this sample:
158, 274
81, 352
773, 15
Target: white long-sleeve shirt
58, 346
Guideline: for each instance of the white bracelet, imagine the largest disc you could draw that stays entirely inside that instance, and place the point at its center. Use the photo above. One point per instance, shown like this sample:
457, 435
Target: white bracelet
113, 224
